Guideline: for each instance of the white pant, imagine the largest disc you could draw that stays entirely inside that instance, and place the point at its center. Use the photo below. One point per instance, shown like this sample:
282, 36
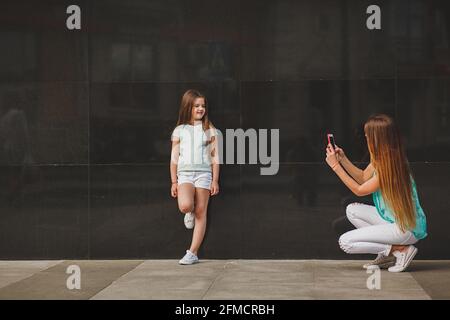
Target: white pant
373, 234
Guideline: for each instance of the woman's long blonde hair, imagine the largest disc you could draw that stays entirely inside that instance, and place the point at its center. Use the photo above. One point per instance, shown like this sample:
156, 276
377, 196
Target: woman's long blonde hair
187, 103
388, 157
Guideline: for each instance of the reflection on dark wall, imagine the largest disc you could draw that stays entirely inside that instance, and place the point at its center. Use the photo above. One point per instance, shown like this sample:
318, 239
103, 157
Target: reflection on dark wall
86, 117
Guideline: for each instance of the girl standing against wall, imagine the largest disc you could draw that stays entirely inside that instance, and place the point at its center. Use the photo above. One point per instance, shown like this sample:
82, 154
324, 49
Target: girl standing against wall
194, 167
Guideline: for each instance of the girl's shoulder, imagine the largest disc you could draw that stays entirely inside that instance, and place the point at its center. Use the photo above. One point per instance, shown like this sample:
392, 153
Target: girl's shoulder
181, 127
211, 131
211, 128
178, 131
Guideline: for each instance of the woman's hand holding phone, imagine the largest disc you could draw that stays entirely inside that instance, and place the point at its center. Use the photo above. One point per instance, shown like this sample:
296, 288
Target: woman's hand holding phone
331, 158
339, 153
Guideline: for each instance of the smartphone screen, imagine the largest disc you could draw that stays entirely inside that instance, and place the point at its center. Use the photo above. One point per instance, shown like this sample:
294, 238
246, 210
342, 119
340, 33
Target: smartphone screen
331, 140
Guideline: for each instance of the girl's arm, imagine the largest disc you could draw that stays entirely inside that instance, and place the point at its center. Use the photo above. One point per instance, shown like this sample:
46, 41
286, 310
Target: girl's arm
215, 179
175, 154
215, 166
367, 187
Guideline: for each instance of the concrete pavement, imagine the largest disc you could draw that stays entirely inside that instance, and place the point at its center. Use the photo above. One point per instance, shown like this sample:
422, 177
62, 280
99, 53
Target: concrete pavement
221, 279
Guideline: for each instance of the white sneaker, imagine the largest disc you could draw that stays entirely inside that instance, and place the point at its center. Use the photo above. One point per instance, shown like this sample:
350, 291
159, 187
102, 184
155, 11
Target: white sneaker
381, 261
189, 258
189, 220
404, 258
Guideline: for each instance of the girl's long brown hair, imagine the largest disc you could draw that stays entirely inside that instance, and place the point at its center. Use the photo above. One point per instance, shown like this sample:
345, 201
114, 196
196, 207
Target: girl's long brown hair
187, 103
389, 159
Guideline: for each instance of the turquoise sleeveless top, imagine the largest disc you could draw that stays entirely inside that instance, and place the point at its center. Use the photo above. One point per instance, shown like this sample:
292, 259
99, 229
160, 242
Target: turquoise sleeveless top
420, 231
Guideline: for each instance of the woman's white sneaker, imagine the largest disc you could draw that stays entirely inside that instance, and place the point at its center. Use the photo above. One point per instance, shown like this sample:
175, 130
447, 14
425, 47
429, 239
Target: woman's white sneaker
381, 261
189, 258
404, 259
189, 220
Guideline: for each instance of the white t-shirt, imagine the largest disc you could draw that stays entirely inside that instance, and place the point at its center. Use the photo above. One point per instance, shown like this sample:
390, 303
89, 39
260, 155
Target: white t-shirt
195, 147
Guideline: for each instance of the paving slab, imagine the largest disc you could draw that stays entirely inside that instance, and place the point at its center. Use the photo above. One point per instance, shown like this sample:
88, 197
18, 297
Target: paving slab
14, 271
51, 283
434, 277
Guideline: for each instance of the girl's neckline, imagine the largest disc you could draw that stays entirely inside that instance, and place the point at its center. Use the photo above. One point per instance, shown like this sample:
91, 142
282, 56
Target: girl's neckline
196, 123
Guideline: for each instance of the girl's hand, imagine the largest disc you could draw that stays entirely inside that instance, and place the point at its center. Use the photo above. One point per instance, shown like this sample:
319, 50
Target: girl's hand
214, 188
339, 153
174, 190
331, 157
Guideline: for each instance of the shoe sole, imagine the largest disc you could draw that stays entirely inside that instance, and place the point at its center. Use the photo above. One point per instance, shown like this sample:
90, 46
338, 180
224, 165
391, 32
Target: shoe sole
408, 261
381, 266
187, 264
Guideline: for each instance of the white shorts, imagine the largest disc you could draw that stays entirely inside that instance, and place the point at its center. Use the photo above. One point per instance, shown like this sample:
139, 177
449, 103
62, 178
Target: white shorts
200, 179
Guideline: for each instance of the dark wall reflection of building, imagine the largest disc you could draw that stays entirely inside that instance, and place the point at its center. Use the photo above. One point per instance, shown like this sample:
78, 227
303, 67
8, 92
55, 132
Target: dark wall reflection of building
15, 146
140, 51
158, 42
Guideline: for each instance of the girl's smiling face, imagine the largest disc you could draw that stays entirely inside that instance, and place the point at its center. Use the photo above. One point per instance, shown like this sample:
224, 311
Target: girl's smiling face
199, 109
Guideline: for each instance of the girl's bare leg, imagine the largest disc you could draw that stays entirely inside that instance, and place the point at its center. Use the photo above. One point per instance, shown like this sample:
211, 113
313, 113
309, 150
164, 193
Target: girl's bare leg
201, 207
186, 194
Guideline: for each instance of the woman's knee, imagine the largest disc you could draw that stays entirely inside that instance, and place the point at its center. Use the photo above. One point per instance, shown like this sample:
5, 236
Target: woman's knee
351, 211
345, 243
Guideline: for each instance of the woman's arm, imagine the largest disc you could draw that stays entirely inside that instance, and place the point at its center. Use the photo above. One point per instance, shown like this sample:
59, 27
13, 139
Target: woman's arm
356, 173
353, 170
363, 189
368, 172
368, 187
